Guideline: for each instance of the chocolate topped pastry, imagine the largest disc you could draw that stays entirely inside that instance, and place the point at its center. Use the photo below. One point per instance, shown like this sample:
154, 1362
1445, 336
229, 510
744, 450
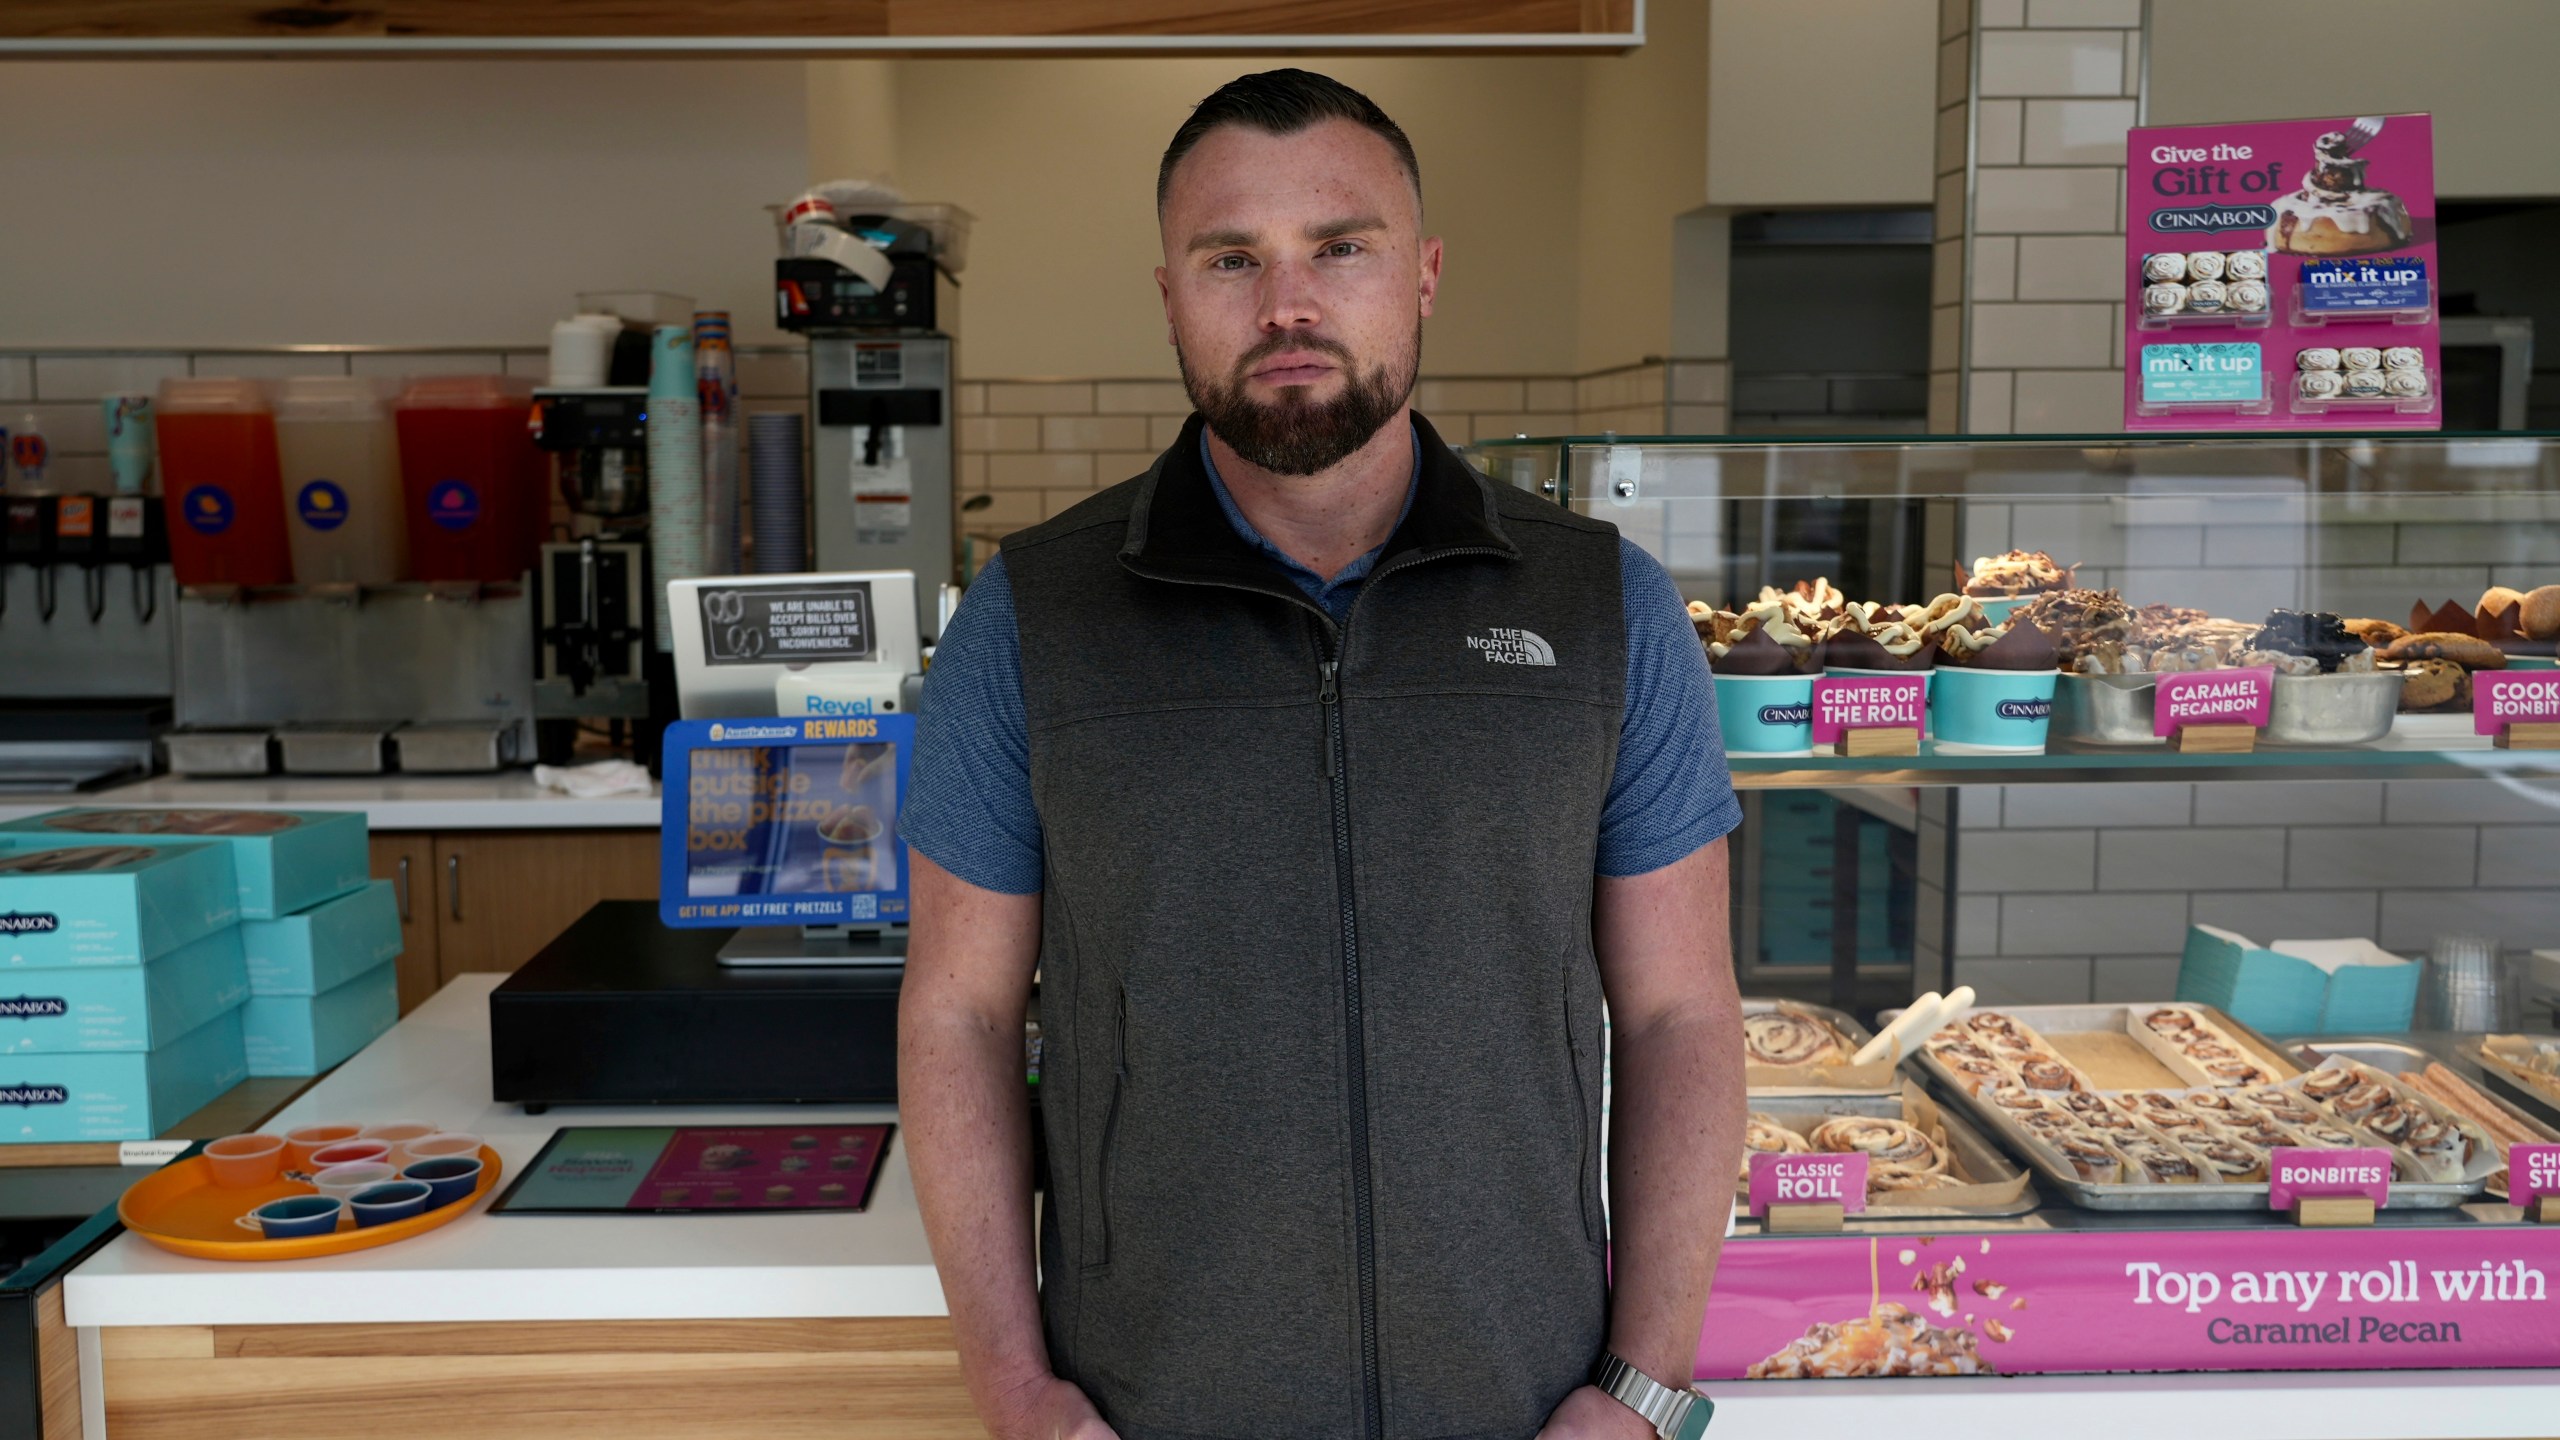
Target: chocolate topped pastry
2014, 645
2321, 636
2078, 621
2014, 572
2333, 213
1754, 654
1761, 640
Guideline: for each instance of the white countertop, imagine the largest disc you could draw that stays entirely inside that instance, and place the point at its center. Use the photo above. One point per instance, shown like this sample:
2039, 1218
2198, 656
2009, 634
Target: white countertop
507, 800
434, 1065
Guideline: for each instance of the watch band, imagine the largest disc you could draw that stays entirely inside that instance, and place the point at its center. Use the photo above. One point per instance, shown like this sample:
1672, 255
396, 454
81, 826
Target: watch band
1668, 1409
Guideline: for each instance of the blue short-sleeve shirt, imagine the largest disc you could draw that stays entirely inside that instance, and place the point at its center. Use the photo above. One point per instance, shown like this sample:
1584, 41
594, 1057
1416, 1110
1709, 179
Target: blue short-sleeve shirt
969, 806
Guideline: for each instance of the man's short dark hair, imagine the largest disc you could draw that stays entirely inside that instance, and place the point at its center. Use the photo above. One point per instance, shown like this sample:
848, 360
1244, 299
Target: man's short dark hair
1284, 102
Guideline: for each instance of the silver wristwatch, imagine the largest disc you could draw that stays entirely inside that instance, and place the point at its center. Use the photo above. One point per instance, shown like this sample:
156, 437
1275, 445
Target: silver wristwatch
1675, 1413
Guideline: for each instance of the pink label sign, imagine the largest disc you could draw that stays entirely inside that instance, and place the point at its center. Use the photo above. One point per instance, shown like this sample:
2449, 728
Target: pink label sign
1842, 703
2500, 699
2213, 697
1945, 1302
2532, 1171
2301, 1174
1808, 1180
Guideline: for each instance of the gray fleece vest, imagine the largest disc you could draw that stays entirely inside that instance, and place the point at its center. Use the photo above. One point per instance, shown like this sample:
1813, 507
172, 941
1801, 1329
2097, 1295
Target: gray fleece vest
1322, 1076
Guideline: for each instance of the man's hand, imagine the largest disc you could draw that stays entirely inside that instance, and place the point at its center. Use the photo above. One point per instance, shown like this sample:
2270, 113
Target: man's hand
1052, 1409
1592, 1413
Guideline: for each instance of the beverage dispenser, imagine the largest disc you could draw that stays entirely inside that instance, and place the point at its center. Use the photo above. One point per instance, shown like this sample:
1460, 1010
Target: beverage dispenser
221, 483
341, 466
471, 477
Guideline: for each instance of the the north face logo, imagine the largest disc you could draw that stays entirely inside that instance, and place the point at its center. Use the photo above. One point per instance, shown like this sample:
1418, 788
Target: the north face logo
1512, 647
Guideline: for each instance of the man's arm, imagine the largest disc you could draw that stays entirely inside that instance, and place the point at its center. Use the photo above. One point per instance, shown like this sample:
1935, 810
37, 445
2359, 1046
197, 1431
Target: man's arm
1676, 1117
967, 1117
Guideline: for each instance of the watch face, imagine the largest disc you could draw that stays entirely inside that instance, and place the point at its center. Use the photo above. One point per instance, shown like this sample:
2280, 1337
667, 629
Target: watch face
1694, 1424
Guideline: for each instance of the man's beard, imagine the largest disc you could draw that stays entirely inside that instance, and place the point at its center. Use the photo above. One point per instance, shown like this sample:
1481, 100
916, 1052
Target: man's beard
1295, 435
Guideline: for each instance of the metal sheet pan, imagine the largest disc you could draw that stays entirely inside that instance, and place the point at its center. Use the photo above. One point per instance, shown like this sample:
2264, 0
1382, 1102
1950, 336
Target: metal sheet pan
2395, 1056
1982, 1159
2533, 1100
2054, 1020
1849, 1028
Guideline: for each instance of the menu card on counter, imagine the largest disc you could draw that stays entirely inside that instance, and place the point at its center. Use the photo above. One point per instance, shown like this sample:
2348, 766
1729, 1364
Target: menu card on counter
639, 1169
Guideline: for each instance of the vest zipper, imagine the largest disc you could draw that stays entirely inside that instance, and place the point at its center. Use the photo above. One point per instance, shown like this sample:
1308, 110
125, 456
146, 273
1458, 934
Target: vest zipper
1355, 1048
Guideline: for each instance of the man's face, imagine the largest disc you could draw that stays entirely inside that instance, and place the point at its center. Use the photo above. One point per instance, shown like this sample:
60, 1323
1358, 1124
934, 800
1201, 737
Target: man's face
1295, 282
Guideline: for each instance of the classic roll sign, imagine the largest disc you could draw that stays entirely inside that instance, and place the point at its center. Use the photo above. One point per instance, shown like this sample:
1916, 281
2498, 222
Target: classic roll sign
1808, 1180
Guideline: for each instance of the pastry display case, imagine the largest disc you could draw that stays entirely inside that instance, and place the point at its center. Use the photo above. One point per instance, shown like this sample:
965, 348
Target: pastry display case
1897, 625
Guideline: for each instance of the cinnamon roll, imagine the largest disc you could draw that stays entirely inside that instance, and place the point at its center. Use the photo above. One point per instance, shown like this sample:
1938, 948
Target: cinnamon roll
2263, 1133
1789, 1038
2047, 1123
2361, 1099
2170, 1022
1886, 1142
2092, 1160
2160, 1164
1946, 1044
1894, 1178
1990, 1022
2232, 1162
2048, 1076
2323, 1086
2439, 1147
2214, 1106
1975, 1072
2329, 1137
2198, 1047
2012, 1096
2288, 1106
2392, 1121
2236, 1071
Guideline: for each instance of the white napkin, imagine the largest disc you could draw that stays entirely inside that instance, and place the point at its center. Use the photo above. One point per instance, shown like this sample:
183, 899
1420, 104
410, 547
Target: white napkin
593, 782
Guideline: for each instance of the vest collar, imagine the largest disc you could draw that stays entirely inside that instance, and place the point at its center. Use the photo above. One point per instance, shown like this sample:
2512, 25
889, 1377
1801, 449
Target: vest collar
1178, 532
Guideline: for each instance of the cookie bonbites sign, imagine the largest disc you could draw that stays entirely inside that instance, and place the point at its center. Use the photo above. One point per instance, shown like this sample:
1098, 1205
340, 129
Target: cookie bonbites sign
2281, 275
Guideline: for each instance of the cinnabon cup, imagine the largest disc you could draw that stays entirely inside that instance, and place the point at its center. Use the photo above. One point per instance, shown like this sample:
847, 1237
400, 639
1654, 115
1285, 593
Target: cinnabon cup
1765, 714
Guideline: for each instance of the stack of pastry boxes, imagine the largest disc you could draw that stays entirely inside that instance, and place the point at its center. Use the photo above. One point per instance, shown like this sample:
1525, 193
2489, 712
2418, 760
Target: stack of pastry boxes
151, 959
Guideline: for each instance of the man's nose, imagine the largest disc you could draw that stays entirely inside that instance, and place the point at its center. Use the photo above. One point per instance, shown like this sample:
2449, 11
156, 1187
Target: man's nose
1289, 299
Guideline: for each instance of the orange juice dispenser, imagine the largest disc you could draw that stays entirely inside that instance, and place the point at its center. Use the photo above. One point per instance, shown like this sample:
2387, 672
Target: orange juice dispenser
340, 461
220, 483
476, 506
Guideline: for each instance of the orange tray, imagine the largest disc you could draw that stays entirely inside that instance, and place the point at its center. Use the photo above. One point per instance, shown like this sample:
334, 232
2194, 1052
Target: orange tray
178, 1207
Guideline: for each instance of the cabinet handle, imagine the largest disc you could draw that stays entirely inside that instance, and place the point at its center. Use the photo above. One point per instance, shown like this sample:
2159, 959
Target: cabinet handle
453, 885
401, 884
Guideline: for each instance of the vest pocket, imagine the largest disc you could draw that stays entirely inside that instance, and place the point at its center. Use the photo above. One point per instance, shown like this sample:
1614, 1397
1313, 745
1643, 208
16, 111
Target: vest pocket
1097, 1250
1587, 1160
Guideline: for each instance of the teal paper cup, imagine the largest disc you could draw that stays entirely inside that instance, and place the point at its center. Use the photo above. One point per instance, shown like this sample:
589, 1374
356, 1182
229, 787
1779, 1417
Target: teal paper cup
1765, 714
2532, 662
1997, 609
2007, 711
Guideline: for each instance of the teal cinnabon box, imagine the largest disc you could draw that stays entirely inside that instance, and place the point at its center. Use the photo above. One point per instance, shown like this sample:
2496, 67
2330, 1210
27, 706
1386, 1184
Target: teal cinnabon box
112, 903
53, 1099
285, 860
306, 1034
122, 1007
1998, 710
1765, 714
324, 946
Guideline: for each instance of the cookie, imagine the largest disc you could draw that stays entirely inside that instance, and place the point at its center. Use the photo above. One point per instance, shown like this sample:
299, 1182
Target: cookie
2469, 651
2538, 613
2376, 633
2432, 685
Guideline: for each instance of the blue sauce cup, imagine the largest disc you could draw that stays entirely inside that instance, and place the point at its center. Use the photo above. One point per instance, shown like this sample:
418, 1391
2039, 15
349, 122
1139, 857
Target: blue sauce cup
398, 1200
447, 1178
298, 1215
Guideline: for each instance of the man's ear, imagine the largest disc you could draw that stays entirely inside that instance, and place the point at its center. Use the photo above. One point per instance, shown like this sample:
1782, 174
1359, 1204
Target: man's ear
1430, 279
1164, 292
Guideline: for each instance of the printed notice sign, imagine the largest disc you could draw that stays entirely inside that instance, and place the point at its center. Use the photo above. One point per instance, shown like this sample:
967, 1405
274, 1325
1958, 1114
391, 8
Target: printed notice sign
2214, 697
2294, 1174
772, 624
2196, 374
1808, 1180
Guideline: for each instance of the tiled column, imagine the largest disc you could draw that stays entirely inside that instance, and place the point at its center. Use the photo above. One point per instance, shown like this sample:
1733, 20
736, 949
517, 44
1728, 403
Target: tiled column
2035, 98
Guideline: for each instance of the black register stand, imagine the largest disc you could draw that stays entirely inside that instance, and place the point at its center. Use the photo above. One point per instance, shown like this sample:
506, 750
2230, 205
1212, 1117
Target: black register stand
622, 1010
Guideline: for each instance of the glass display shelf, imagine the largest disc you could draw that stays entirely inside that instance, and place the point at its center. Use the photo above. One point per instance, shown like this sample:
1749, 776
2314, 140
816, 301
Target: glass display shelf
2397, 758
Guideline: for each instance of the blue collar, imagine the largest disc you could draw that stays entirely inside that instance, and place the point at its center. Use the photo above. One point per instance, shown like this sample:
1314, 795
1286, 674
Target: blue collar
1323, 591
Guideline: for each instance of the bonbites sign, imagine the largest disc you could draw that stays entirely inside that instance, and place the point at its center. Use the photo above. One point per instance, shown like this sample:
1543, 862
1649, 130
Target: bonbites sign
2057, 1302
2281, 275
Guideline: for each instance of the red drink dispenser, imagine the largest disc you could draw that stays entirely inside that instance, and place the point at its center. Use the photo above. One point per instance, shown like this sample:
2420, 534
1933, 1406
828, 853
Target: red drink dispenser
219, 483
471, 479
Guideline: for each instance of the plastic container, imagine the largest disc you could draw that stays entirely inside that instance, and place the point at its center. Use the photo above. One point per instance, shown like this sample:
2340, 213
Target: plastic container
394, 1200
340, 463
471, 478
298, 1215
303, 1143
346, 1180
241, 1161
1765, 714
220, 483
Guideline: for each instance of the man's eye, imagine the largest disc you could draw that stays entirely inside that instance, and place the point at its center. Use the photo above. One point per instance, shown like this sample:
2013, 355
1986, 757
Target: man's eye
1229, 262
1343, 247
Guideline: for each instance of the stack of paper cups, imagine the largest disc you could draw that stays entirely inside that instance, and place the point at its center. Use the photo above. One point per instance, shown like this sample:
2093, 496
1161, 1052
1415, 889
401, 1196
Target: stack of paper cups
715, 371
129, 441
675, 468
776, 495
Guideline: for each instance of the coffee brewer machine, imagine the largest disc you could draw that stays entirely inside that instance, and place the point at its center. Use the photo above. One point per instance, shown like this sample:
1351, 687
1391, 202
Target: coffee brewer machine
592, 655
880, 376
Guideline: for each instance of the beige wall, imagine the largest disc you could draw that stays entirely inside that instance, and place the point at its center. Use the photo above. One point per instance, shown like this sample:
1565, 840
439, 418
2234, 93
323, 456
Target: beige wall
430, 202
2483, 68
1057, 159
1821, 102
1643, 158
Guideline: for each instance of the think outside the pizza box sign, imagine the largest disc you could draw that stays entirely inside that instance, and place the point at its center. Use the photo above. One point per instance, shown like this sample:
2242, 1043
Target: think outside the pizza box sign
2265, 263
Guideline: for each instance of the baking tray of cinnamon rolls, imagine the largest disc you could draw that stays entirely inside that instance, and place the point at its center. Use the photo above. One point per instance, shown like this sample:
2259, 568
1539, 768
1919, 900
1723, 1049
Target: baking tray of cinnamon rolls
1794, 1048
2177, 1106
1923, 1162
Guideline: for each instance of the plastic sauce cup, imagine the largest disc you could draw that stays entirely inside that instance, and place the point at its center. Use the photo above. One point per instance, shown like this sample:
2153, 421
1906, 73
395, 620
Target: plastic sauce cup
300, 1143
239, 1162
298, 1215
451, 1142
343, 1181
398, 1133
382, 1204
349, 1152
448, 1177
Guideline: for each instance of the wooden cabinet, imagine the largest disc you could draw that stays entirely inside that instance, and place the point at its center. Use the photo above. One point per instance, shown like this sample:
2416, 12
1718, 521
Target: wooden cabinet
488, 899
